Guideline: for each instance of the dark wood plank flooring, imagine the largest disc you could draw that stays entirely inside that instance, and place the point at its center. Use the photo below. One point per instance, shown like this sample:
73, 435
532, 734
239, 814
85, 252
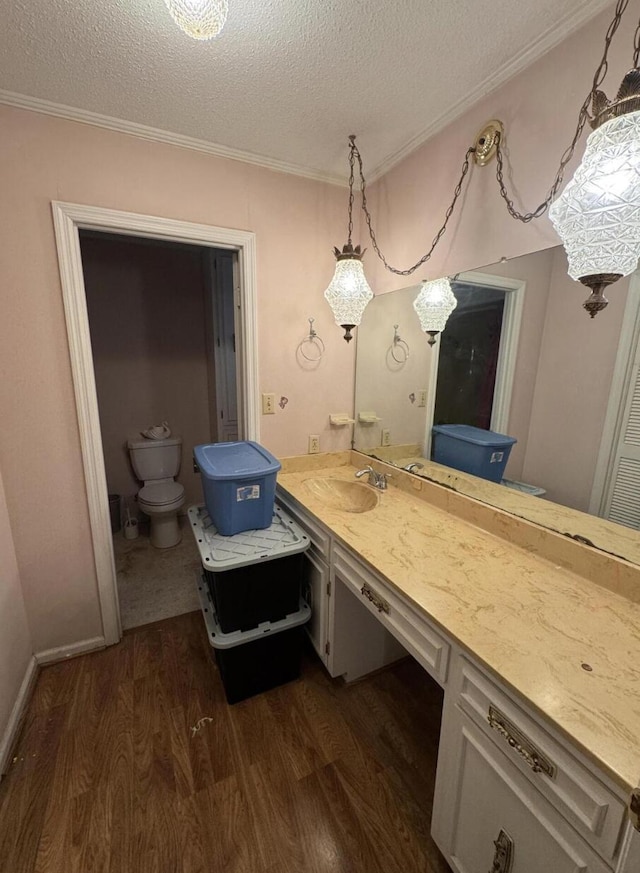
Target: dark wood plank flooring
312, 777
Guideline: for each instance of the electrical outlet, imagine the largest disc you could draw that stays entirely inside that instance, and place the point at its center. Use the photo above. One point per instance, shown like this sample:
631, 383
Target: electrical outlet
268, 404
422, 397
386, 437
314, 444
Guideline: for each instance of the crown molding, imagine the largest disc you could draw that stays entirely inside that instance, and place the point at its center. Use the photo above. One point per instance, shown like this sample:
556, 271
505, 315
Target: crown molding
155, 134
545, 42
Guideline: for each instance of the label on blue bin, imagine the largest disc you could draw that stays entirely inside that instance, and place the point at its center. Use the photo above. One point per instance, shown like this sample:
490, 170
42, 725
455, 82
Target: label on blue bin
248, 492
496, 457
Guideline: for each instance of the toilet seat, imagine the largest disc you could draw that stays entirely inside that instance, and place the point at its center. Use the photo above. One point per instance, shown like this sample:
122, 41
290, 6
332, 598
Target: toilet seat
161, 494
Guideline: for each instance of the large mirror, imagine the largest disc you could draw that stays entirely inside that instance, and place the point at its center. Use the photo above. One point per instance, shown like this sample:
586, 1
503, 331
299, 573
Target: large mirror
519, 356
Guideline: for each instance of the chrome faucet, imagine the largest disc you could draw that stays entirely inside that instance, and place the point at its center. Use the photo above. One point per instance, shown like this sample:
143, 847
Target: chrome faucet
413, 466
378, 480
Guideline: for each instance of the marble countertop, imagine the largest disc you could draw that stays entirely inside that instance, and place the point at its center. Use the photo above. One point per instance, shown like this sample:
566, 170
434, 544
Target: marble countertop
527, 619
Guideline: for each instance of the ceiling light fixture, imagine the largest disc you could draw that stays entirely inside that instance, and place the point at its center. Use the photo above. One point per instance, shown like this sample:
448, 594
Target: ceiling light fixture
349, 291
200, 19
598, 214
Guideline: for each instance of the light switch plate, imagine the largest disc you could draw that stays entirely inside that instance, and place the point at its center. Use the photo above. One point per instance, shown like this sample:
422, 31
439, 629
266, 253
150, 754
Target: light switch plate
268, 404
422, 397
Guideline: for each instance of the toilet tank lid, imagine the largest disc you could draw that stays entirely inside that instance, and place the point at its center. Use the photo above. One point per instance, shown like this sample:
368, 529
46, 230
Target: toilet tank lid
139, 443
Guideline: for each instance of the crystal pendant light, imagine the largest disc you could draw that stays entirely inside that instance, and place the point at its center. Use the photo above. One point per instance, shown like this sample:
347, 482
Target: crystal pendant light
200, 19
434, 304
349, 291
597, 215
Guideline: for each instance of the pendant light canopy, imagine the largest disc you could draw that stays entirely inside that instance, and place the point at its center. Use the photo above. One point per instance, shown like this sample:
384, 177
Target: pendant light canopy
434, 304
200, 19
349, 291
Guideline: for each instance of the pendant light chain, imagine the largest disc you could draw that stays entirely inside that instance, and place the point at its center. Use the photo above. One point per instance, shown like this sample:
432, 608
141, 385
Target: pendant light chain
351, 181
583, 117
458, 189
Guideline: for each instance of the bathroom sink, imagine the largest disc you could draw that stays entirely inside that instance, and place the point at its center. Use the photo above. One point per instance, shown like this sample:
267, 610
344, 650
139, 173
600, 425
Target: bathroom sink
342, 494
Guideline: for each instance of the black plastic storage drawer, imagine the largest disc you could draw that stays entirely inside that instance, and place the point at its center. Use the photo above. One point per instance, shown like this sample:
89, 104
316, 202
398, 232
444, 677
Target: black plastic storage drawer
260, 665
245, 597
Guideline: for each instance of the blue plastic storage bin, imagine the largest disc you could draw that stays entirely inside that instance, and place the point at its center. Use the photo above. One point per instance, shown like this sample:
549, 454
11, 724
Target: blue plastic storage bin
473, 450
239, 485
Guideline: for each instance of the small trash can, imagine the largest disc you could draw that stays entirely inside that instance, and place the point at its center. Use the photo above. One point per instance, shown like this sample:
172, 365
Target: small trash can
115, 512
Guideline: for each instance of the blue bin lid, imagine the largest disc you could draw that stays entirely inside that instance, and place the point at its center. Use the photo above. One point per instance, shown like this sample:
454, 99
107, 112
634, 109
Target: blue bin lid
235, 460
475, 435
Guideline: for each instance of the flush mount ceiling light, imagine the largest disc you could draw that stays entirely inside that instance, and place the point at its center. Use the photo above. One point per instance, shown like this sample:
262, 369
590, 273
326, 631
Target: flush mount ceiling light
200, 19
434, 304
598, 214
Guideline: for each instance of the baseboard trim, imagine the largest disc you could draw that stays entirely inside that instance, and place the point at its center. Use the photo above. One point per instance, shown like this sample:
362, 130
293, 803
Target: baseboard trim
17, 715
62, 653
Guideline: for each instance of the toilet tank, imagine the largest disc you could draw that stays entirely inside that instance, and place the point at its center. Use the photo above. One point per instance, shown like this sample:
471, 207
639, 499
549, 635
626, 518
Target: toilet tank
155, 459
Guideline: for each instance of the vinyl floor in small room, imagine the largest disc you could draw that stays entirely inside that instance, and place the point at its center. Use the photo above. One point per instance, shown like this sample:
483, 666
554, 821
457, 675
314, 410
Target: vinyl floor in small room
316, 776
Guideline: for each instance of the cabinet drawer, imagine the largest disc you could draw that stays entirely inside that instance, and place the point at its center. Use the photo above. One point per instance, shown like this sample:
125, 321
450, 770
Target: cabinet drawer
415, 632
319, 537
593, 809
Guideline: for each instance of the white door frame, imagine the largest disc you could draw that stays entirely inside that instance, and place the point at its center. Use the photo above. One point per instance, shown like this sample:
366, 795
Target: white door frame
507, 355
68, 219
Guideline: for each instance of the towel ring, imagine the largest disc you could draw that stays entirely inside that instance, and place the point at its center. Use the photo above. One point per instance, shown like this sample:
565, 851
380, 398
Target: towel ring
312, 341
399, 348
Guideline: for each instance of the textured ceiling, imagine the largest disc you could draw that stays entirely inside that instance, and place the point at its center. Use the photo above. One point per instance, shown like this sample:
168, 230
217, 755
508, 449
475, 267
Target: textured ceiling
286, 79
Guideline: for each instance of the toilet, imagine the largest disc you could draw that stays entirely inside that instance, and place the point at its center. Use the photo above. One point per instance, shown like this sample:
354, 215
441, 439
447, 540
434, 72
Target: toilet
156, 463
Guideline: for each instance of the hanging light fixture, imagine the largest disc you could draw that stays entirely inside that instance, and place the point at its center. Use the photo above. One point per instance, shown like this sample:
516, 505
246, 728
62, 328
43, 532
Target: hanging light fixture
349, 291
598, 214
200, 19
434, 304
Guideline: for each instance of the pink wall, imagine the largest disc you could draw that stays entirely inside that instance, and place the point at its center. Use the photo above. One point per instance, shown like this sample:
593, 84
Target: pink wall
147, 317
572, 389
539, 109
15, 639
295, 221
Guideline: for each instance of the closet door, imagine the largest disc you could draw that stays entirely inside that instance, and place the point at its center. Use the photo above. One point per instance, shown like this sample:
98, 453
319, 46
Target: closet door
622, 503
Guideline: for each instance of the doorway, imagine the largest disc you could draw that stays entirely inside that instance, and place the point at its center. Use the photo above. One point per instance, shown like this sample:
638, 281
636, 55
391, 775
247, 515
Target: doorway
162, 324
69, 220
476, 355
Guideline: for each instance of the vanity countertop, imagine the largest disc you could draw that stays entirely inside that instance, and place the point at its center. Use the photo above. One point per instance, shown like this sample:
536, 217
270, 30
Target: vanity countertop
527, 619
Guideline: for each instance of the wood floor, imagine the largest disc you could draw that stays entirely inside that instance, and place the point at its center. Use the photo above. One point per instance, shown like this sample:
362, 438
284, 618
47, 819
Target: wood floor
312, 777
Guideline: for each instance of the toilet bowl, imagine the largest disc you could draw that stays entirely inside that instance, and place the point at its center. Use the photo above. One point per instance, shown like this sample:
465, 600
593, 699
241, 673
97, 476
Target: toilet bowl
156, 462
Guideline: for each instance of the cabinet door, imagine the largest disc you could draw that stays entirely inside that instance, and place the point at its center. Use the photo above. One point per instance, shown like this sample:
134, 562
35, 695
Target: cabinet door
315, 590
487, 817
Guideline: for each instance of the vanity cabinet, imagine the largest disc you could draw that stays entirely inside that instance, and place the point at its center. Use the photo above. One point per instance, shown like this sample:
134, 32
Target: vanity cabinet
510, 792
488, 817
512, 796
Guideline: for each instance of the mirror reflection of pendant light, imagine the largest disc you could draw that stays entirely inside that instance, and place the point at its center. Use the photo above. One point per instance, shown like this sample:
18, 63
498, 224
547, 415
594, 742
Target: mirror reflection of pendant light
349, 291
598, 214
434, 304
200, 19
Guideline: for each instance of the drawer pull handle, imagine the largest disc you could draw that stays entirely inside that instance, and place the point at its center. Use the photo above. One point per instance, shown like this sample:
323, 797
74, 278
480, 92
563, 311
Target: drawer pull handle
380, 604
503, 857
517, 740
